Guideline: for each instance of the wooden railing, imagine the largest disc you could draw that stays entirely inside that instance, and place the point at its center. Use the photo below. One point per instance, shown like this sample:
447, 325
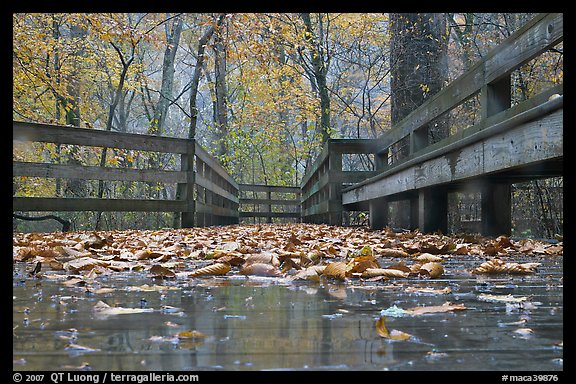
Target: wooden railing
402, 177
274, 204
322, 185
206, 194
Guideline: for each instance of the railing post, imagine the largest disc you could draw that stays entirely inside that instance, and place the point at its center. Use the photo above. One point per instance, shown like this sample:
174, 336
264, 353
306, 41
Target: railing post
495, 97
496, 209
334, 186
186, 191
433, 209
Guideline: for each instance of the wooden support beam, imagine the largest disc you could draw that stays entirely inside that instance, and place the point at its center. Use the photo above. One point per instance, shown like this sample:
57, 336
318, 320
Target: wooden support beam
496, 209
378, 213
433, 210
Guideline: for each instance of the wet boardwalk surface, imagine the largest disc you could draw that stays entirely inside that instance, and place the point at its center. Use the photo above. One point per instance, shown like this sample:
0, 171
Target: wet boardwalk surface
260, 323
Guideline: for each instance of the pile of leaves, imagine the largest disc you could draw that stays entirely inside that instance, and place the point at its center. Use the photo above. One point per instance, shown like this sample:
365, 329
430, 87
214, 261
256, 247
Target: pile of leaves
294, 251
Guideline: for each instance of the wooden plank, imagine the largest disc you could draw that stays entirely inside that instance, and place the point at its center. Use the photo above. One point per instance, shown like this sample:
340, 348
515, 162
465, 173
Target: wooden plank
271, 214
214, 165
71, 171
532, 142
205, 183
268, 188
270, 201
322, 157
47, 133
215, 210
457, 142
352, 146
46, 204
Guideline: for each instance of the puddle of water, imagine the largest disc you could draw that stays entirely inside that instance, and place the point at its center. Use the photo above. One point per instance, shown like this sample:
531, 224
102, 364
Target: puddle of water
270, 324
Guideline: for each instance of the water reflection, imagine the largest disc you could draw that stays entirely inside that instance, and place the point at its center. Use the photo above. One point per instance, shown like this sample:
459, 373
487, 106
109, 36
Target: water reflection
255, 324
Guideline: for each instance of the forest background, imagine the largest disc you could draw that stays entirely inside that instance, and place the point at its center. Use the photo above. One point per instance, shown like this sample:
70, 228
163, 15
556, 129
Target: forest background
261, 92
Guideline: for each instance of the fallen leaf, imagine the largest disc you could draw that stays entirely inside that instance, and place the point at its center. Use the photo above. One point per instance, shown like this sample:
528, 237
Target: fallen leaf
433, 291
446, 307
431, 269
213, 269
501, 298
393, 252
193, 334
497, 266
158, 271
103, 309
372, 272
336, 270
260, 269
393, 335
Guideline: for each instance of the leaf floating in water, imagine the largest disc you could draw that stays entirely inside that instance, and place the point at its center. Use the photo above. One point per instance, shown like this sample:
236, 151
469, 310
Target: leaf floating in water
446, 307
393, 335
193, 334
393, 311
79, 348
103, 309
432, 291
501, 298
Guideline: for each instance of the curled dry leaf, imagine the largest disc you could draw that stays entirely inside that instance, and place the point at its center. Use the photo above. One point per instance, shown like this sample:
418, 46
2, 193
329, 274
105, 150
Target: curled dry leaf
427, 257
311, 273
496, 266
393, 335
103, 309
192, 334
446, 307
431, 269
336, 270
373, 272
264, 257
393, 252
213, 269
160, 271
260, 269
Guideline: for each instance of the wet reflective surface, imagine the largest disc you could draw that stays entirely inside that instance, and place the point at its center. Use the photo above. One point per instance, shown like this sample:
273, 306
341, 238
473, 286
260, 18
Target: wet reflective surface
260, 323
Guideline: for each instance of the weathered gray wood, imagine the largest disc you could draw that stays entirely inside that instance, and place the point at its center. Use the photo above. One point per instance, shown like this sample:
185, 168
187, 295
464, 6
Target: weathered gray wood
47, 204
215, 210
496, 209
512, 144
295, 215
270, 201
214, 188
268, 188
47, 133
378, 209
211, 162
433, 209
71, 171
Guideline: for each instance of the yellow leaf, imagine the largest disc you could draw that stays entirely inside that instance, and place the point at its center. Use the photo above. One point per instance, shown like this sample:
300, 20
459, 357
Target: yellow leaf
393, 335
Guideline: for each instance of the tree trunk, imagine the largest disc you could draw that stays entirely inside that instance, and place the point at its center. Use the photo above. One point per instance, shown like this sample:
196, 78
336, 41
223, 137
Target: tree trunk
221, 91
418, 56
319, 70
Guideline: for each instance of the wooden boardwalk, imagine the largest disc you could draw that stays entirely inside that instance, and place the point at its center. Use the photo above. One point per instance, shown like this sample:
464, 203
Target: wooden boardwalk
509, 144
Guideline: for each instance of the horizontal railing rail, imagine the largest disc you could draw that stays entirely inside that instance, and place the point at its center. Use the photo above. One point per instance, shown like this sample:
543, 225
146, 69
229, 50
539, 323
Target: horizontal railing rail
206, 193
274, 204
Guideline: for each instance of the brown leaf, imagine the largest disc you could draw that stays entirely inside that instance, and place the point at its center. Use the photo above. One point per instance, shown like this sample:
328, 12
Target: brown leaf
446, 307
428, 257
431, 269
213, 269
393, 252
160, 271
498, 266
393, 335
372, 272
336, 270
264, 257
260, 269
